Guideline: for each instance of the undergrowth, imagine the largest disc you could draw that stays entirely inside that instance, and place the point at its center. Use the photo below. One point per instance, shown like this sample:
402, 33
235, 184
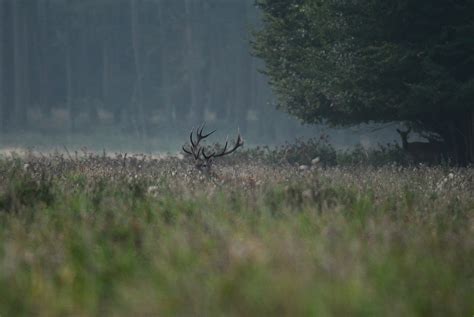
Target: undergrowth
320, 150
95, 235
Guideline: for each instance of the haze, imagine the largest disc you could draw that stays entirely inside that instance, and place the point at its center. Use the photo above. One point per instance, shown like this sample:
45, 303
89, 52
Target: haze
135, 75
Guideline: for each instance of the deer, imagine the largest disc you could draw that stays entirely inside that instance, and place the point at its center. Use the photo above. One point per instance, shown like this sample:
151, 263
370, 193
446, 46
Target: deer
204, 158
420, 151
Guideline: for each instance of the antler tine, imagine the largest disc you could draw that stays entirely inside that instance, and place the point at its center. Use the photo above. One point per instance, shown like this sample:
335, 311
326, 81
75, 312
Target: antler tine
191, 138
201, 136
194, 145
225, 146
205, 136
207, 157
200, 130
238, 144
187, 151
203, 125
214, 153
196, 155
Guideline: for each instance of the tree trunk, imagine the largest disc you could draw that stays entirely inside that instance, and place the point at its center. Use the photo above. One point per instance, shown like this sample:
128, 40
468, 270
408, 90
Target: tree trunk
459, 138
40, 17
69, 87
90, 90
165, 88
195, 114
44, 78
138, 98
216, 80
105, 79
244, 84
469, 137
33, 53
18, 65
7, 71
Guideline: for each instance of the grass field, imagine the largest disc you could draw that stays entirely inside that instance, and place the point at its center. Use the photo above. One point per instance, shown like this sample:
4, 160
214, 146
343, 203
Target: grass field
96, 236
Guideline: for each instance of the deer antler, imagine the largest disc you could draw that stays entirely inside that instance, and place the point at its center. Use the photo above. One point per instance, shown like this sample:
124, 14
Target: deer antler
202, 159
195, 150
238, 143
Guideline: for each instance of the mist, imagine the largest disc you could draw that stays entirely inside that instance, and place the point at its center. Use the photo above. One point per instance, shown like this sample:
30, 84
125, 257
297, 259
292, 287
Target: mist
148, 169
128, 75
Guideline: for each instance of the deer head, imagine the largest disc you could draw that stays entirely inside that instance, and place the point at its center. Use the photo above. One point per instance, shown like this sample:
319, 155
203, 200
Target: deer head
404, 136
203, 157
420, 151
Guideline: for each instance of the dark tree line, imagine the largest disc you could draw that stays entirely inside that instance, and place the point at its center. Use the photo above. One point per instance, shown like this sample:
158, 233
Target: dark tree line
351, 61
145, 62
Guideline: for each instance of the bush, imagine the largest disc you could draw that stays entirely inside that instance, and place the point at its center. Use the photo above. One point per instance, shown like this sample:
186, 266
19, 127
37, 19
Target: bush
24, 190
380, 156
303, 152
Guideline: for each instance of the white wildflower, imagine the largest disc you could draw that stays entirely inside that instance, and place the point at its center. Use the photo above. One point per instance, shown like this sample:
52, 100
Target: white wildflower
307, 194
153, 191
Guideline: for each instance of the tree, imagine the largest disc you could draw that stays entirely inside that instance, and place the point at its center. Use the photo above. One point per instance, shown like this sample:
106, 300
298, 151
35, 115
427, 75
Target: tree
346, 62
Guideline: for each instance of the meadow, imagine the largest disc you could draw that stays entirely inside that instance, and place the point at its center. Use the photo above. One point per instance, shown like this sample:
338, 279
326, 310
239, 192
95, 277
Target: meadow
91, 235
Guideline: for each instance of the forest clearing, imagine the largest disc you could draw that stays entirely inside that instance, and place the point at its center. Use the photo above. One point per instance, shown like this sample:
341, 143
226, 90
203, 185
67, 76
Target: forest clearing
344, 187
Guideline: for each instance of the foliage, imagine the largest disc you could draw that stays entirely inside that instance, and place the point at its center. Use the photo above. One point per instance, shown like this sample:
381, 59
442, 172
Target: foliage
142, 236
25, 190
300, 151
319, 152
347, 62
379, 156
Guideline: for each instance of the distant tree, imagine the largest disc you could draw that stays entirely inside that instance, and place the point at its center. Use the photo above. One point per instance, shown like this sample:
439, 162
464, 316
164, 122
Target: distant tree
346, 62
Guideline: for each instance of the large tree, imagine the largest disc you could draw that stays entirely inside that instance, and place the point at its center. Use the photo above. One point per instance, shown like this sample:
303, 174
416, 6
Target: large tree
346, 62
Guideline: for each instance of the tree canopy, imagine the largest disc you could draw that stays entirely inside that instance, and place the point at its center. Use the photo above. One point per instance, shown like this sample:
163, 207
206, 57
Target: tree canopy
346, 62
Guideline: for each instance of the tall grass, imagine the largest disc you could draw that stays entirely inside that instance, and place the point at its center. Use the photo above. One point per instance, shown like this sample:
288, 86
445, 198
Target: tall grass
126, 236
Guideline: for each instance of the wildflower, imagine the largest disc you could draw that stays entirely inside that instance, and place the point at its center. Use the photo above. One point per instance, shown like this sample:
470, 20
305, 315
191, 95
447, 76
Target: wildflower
315, 161
153, 191
307, 194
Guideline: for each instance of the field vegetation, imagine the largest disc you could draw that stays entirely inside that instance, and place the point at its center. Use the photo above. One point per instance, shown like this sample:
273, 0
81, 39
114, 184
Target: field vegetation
86, 234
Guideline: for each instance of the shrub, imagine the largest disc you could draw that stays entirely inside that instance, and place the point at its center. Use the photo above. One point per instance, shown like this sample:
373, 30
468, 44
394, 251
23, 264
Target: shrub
24, 190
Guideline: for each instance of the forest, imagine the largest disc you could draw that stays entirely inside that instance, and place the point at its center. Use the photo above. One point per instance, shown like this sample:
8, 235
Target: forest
256, 223
141, 67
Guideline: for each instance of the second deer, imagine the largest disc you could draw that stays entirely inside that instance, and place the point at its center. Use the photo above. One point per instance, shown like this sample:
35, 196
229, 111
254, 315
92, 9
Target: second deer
420, 151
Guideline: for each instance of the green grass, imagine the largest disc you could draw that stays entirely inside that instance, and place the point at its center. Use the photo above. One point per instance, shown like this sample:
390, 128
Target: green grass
132, 237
